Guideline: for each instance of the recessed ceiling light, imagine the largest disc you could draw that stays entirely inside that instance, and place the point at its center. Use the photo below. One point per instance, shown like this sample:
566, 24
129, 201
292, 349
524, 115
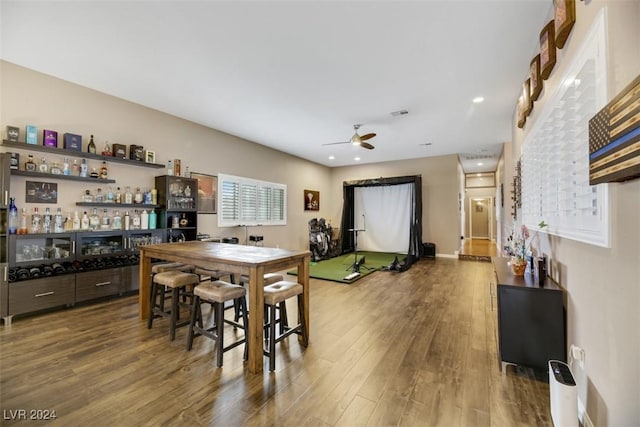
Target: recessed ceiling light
332, 157
479, 163
478, 99
357, 159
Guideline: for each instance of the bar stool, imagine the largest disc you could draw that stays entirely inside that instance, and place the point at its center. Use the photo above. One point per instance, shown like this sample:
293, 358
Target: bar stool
217, 292
177, 281
270, 279
167, 266
276, 295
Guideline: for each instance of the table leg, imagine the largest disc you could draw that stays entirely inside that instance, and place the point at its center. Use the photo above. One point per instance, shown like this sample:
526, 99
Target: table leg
303, 279
144, 286
256, 319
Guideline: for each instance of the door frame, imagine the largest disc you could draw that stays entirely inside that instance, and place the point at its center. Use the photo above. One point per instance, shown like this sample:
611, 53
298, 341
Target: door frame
490, 216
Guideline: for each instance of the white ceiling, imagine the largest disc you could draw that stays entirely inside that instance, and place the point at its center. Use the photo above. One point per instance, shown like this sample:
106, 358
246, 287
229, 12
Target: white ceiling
296, 75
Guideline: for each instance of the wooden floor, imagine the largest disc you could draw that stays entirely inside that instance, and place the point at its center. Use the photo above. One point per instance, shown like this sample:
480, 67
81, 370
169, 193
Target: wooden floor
477, 249
414, 349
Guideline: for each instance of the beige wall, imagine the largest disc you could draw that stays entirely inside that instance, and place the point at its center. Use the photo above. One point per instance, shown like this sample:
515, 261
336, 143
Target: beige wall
440, 216
29, 97
603, 284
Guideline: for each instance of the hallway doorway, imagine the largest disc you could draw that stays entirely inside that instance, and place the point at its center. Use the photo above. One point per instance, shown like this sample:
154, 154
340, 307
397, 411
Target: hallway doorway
481, 213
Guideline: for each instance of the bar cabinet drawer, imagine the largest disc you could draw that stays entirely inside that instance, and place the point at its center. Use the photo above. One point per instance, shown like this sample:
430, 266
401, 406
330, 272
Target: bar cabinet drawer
39, 294
97, 284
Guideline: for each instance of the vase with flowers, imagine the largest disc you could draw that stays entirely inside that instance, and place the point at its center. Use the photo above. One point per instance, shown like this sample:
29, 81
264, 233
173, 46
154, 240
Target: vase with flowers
518, 248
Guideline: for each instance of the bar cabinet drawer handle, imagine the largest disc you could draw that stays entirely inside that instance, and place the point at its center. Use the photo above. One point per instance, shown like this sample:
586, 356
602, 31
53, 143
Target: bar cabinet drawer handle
45, 294
103, 284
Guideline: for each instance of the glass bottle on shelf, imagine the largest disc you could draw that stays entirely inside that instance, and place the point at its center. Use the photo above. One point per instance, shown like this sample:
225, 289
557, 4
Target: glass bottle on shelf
58, 222
116, 222
144, 220
128, 197
94, 173
138, 198
36, 221
13, 216
46, 221
154, 196
55, 169
66, 168
75, 168
24, 221
104, 171
184, 222
92, 146
94, 220
118, 195
87, 197
84, 223
187, 191
127, 221
43, 167
30, 165
170, 167
105, 222
99, 196
153, 220
76, 221
84, 169
110, 198
68, 222
135, 220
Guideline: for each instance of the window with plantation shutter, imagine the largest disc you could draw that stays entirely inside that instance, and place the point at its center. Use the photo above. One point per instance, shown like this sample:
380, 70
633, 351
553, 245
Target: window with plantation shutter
246, 201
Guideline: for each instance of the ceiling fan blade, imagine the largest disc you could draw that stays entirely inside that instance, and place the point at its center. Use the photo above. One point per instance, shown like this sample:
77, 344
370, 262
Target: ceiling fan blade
336, 143
367, 146
367, 136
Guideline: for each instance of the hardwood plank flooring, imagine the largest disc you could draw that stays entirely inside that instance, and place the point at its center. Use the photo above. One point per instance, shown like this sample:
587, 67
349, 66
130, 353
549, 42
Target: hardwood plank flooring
409, 349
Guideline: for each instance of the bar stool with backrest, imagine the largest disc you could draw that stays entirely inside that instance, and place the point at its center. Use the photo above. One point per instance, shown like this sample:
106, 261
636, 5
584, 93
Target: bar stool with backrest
217, 292
276, 295
178, 282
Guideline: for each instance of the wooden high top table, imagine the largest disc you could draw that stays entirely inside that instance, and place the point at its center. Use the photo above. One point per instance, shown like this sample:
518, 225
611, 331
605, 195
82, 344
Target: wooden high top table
254, 261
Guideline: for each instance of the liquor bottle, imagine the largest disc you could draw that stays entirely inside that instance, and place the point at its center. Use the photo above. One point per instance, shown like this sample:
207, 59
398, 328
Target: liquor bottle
116, 223
118, 196
43, 167
13, 216
153, 220
87, 197
105, 222
30, 165
76, 221
36, 221
46, 221
99, 196
92, 146
68, 222
66, 169
169, 167
144, 220
84, 223
128, 197
94, 173
127, 220
23, 222
104, 171
58, 222
84, 169
94, 220
154, 196
184, 222
55, 169
187, 191
135, 220
138, 198
75, 168
110, 196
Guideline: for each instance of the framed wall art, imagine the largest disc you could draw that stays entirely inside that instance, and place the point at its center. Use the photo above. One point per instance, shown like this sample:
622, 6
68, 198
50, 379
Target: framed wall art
41, 192
536, 80
527, 102
547, 50
207, 192
311, 200
150, 156
564, 17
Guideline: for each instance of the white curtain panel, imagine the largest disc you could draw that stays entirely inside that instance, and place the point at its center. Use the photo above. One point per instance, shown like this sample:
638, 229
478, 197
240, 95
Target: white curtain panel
384, 212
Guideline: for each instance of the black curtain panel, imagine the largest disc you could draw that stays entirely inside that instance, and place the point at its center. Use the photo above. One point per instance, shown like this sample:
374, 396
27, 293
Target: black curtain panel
415, 249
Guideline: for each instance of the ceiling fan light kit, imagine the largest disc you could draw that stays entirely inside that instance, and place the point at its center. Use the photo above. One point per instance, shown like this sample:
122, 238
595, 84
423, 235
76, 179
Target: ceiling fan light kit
357, 139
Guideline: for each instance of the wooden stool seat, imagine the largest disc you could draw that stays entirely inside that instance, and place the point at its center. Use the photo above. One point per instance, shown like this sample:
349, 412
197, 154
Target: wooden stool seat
177, 281
217, 292
276, 294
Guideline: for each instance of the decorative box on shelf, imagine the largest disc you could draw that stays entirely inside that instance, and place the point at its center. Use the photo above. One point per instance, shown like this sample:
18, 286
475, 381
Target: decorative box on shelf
72, 142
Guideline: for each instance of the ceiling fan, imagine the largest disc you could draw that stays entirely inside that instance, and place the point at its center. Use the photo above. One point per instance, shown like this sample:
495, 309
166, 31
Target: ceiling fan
357, 139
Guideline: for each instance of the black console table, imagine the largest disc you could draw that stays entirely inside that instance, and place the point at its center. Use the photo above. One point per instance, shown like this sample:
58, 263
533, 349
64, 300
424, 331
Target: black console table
531, 318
